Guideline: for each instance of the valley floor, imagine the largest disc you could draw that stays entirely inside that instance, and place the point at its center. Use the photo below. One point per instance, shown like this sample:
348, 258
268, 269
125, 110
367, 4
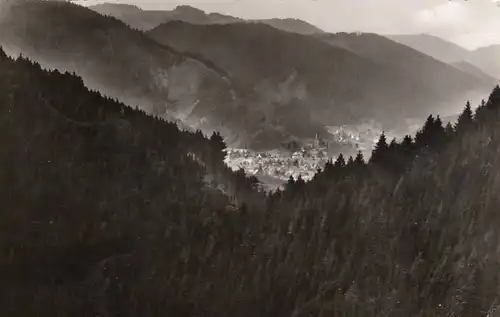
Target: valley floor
274, 168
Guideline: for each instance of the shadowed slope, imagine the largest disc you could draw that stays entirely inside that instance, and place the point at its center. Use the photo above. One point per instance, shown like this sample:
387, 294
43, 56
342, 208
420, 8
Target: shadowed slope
127, 65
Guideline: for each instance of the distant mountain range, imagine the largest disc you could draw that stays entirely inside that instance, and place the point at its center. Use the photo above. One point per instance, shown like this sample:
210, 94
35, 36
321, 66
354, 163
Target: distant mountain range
484, 59
393, 55
258, 85
487, 59
338, 78
149, 19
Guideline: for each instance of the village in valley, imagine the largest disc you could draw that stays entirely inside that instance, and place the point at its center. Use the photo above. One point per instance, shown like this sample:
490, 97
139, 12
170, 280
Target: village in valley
279, 164
273, 168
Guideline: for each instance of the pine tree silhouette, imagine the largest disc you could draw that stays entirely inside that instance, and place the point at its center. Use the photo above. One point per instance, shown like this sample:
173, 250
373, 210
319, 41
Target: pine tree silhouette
339, 162
482, 114
350, 161
360, 159
438, 132
465, 119
424, 136
408, 149
379, 152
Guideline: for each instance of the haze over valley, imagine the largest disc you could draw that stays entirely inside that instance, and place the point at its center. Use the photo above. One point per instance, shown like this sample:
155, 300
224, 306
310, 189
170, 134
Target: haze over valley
263, 84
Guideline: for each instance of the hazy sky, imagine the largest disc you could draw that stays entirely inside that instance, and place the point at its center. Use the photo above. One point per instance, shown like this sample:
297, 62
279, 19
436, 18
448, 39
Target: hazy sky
471, 23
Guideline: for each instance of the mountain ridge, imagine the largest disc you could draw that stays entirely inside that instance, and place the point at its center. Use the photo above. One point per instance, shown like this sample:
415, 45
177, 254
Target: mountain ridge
148, 19
484, 58
433, 46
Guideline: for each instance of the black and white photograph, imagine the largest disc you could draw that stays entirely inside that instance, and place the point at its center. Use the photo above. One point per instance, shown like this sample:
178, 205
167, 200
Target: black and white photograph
249, 158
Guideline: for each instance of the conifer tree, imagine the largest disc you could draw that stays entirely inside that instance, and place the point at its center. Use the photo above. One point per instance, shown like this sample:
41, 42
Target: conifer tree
328, 166
465, 119
199, 134
481, 115
219, 145
408, 148
393, 145
428, 122
300, 182
407, 142
379, 152
438, 132
360, 159
350, 162
423, 138
218, 140
438, 123
340, 162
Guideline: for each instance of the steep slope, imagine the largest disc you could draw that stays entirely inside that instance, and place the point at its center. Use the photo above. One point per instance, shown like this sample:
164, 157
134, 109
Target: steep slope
127, 65
149, 19
433, 46
110, 57
130, 14
337, 85
93, 190
292, 25
86, 183
473, 70
488, 59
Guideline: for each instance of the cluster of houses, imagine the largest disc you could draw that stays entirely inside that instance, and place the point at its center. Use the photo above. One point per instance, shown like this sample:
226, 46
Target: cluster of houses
362, 136
279, 164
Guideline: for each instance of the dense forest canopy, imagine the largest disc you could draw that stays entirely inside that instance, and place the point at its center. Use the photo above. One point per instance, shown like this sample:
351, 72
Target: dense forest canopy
110, 212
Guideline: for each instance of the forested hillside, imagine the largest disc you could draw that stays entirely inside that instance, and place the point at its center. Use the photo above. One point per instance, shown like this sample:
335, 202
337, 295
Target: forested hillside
412, 232
110, 212
92, 190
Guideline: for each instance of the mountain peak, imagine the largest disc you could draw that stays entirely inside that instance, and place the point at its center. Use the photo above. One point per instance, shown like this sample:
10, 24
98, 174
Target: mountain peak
489, 47
187, 9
